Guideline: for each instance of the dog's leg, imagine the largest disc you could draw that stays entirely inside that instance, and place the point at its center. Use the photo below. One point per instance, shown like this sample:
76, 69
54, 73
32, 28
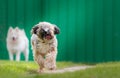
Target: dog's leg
11, 56
18, 56
26, 54
40, 60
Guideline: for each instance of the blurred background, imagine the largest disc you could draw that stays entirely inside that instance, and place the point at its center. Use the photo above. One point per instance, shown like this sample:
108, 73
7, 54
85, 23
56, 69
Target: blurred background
90, 29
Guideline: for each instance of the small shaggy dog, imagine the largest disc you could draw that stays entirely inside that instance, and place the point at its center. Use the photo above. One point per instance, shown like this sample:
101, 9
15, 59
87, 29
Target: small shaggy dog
44, 45
17, 42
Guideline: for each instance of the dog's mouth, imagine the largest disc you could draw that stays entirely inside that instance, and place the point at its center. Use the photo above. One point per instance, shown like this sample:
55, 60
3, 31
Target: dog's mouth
48, 36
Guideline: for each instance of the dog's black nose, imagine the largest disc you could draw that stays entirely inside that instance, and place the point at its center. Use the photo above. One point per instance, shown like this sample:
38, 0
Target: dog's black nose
13, 38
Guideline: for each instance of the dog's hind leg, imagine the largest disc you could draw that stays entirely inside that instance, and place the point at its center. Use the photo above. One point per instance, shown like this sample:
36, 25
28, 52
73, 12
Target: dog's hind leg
26, 54
50, 61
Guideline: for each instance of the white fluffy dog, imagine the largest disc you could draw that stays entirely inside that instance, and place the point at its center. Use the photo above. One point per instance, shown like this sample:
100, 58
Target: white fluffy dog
17, 42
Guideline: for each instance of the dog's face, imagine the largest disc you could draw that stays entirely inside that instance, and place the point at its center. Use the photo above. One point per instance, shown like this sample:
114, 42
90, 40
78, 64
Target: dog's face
13, 33
45, 30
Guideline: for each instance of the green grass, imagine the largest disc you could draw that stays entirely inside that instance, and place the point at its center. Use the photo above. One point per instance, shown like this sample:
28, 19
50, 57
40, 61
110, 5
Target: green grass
14, 69
28, 70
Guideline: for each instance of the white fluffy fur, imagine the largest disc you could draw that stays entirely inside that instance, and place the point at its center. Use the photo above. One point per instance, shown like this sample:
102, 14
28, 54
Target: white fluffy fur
17, 42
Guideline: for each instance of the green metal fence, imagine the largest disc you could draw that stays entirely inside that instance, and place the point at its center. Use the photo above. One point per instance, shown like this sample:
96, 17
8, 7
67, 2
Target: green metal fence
90, 29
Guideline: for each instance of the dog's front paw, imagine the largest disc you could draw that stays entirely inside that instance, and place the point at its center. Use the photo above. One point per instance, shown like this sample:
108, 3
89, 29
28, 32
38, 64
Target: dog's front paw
54, 68
40, 71
50, 66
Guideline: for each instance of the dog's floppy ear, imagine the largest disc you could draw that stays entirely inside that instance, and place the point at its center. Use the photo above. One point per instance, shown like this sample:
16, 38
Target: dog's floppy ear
34, 29
56, 30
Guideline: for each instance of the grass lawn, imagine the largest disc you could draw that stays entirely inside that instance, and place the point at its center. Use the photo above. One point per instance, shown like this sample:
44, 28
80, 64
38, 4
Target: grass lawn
28, 70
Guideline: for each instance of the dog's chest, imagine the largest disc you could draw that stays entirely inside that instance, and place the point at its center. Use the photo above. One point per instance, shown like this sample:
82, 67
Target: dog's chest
42, 47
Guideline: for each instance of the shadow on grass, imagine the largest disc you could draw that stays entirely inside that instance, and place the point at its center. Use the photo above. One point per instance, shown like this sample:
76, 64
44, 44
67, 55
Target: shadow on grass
32, 71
